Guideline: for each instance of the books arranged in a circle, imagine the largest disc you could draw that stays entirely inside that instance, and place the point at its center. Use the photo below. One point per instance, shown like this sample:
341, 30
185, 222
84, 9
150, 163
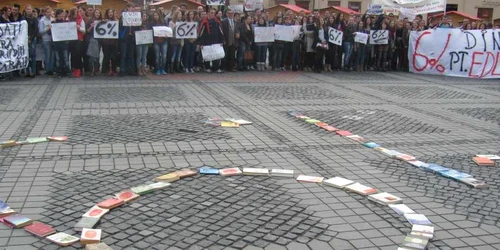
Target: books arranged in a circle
209, 170
230, 171
422, 231
361, 189
90, 236
40, 229
63, 239
310, 179
338, 182
401, 209
256, 171
417, 219
96, 212
282, 173
385, 198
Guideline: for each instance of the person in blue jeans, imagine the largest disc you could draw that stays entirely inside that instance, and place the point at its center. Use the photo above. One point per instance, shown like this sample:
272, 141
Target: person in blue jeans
159, 45
127, 46
44, 30
175, 45
349, 33
189, 47
61, 49
142, 49
261, 48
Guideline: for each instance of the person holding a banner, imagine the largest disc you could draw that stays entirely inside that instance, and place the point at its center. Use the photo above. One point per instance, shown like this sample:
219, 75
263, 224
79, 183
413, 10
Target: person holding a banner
261, 48
76, 47
93, 50
210, 32
61, 49
175, 45
320, 44
160, 45
359, 48
110, 49
279, 46
127, 45
189, 47
383, 51
44, 30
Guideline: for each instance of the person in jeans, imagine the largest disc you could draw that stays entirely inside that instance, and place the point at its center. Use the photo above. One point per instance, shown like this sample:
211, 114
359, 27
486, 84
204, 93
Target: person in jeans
160, 45
109, 49
127, 46
61, 49
142, 49
245, 38
360, 49
261, 48
349, 33
210, 31
44, 30
189, 47
175, 45
32, 21
279, 47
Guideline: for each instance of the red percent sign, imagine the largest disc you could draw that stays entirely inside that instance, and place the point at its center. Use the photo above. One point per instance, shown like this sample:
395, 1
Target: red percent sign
433, 62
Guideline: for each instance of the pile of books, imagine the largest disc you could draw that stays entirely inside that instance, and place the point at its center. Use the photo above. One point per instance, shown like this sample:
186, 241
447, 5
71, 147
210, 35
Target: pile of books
482, 160
32, 140
225, 122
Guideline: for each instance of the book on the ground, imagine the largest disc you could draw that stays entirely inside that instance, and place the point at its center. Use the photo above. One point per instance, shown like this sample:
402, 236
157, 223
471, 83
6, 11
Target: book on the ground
343, 132
90, 236
390, 153
361, 189
330, 128
414, 242
405, 157
37, 140
127, 195
3, 205
371, 145
63, 239
311, 179
475, 183
294, 113
9, 143
6, 212
282, 173
209, 171
401, 209
40, 229
170, 177
312, 121
229, 124
240, 121
17, 221
186, 173
58, 138
418, 164
491, 157
454, 174
321, 124
423, 231
188, 130
159, 185
142, 189
338, 182
256, 171
483, 161
111, 203
230, 171
431, 167
385, 198
95, 212
211, 123
86, 222
98, 246
357, 138
417, 219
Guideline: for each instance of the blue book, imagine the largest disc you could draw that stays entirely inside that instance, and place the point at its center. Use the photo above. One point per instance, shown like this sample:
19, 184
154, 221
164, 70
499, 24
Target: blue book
454, 174
431, 167
209, 170
3, 206
371, 145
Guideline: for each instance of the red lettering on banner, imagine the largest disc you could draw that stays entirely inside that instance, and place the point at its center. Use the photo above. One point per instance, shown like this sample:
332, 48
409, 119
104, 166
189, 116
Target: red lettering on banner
474, 63
484, 63
496, 66
432, 62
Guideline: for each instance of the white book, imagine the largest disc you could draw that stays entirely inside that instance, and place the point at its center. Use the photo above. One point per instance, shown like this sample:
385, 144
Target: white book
255, 171
401, 209
240, 121
491, 157
63, 239
361, 189
418, 164
159, 185
405, 157
385, 198
312, 179
338, 182
417, 219
389, 152
473, 182
282, 172
230, 172
423, 231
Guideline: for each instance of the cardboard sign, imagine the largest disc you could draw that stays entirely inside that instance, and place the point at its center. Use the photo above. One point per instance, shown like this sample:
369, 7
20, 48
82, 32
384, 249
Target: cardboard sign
64, 32
264, 34
162, 31
379, 37
14, 46
335, 36
212, 52
186, 30
131, 18
284, 33
361, 38
143, 37
106, 29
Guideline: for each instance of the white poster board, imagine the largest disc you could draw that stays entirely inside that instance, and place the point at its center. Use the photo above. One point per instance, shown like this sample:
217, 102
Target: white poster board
94, 2
453, 52
284, 33
15, 49
361, 38
379, 37
216, 2
406, 13
375, 9
212, 52
162, 31
237, 8
64, 32
252, 5
106, 29
264, 34
335, 36
418, 6
186, 30
131, 18
144, 37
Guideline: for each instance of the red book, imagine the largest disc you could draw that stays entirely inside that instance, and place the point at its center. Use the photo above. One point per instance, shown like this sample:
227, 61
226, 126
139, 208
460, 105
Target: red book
40, 229
343, 132
331, 129
127, 195
111, 203
58, 138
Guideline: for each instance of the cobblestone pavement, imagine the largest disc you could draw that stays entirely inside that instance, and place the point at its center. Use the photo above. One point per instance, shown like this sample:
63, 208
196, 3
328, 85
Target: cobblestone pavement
125, 131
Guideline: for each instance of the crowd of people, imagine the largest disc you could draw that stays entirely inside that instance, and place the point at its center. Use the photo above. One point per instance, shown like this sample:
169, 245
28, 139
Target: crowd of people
309, 51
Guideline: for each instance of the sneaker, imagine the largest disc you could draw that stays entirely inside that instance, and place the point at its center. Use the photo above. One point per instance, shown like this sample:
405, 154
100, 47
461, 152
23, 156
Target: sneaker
163, 72
219, 71
158, 72
208, 71
186, 71
191, 71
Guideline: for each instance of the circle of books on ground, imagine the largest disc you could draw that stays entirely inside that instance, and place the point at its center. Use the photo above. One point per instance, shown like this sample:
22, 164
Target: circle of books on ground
481, 160
422, 230
32, 140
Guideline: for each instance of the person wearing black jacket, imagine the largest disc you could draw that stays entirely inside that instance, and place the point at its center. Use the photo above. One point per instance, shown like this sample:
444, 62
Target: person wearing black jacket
229, 27
320, 44
210, 34
245, 37
32, 22
127, 46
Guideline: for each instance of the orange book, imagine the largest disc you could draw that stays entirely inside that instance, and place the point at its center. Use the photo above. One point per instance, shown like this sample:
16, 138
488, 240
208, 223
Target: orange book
90, 236
186, 173
127, 195
111, 203
483, 161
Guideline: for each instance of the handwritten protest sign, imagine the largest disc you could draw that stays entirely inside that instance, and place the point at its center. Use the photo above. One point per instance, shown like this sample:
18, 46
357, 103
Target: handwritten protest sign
212, 52
238, 8
252, 5
284, 33
335, 36
186, 30
264, 34
162, 31
379, 37
94, 2
143, 37
13, 46
418, 6
375, 9
361, 38
64, 32
216, 2
131, 18
106, 29
453, 52
406, 13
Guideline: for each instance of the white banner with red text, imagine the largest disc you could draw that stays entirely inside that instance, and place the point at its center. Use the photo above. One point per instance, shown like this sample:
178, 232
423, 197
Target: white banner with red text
453, 52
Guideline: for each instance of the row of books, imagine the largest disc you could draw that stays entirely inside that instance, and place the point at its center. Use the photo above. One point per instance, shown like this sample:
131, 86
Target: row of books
430, 167
32, 140
485, 160
225, 122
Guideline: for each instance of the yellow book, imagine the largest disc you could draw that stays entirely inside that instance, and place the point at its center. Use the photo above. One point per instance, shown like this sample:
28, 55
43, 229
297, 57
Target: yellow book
171, 177
229, 124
